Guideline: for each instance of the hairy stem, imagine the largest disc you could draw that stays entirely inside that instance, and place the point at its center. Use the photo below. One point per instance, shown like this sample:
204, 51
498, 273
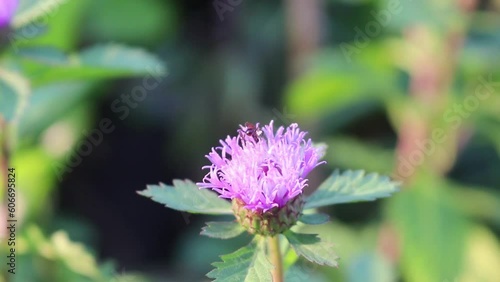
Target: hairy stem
276, 260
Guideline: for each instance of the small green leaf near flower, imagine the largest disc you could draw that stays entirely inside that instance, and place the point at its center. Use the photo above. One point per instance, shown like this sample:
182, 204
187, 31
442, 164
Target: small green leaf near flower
186, 196
248, 264
311, 247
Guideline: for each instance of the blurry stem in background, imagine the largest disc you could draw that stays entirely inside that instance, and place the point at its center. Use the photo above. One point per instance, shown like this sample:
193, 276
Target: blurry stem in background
430, 81
276, 260
303, 28
431, 76
429, 84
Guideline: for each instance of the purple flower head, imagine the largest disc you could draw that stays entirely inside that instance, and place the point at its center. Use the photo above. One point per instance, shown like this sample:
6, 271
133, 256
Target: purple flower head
7, 10
262, 168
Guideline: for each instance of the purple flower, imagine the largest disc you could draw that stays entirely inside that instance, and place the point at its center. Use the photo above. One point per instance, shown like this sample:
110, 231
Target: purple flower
7, 10
262, 168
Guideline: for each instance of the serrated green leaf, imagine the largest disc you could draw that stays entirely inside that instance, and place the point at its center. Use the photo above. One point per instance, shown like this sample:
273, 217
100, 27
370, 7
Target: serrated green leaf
186, 196
351, 186
311, 247
222, 230
315, 218
248, 264
14, 91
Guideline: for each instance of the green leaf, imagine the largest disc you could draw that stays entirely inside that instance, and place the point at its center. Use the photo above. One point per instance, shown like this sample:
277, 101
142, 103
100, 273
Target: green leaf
14, 91
222, 230
97, 62
314, 219
115, 56
311, 247
248, 264
351, 186
186, 196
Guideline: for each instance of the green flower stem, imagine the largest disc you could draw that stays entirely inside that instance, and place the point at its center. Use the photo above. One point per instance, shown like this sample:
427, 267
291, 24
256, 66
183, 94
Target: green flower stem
276, 260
